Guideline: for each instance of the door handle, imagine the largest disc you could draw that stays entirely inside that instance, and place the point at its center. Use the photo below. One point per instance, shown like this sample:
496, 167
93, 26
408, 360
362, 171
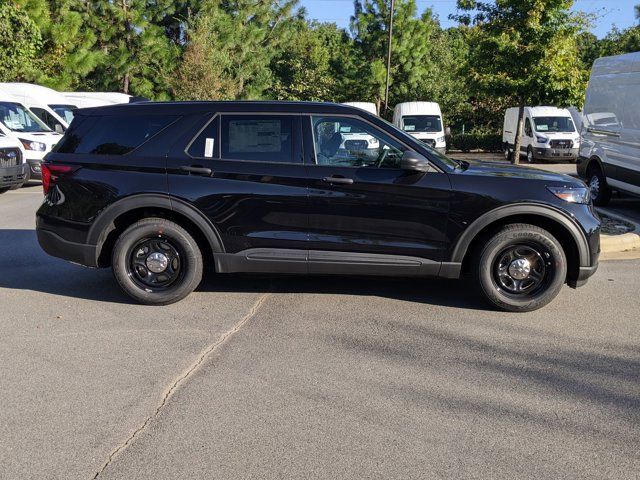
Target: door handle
195, 170
341, 180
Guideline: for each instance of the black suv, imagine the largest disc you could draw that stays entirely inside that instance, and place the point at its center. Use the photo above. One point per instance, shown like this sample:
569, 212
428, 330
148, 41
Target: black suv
155, 190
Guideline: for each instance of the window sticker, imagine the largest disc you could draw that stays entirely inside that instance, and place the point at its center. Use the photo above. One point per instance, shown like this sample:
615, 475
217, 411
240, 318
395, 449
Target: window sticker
409, 128
208, 147
247, 136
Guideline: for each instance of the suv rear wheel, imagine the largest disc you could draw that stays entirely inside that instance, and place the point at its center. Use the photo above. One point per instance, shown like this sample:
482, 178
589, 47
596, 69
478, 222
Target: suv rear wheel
157, 262
520, 268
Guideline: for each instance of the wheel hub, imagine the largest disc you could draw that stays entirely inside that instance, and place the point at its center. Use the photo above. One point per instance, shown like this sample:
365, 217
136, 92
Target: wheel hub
157, 262
520, 268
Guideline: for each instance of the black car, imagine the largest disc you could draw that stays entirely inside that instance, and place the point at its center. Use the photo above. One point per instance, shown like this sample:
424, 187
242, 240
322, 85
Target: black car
158, 190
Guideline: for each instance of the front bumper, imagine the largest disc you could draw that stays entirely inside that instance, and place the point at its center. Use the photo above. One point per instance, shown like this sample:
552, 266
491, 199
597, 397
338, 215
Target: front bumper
583, 275
555, 154
56, 246
35, 169
12, 176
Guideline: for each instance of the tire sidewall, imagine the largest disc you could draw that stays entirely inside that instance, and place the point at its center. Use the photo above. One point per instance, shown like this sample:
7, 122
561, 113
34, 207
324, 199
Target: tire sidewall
510, 237
190, 257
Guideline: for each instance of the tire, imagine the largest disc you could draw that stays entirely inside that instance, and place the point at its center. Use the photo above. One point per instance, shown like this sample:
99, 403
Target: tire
600, 191
157, 262
530, 157
498, 277
508, 155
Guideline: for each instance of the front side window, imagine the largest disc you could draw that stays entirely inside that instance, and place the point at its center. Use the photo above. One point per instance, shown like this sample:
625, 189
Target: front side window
18, 119
350, 142
554, 124
258, 138
205, 144
422, 123
111, 135
527, 128
64, 111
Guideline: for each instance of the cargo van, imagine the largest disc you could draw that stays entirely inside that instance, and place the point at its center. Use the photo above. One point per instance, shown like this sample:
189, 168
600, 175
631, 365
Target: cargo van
97, 99
422, 120
13, 169
610, 149
50, 106
548, 134
17, 122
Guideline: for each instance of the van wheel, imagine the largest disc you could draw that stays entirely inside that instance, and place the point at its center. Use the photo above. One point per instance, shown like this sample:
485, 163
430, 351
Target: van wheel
520, 268
157, 262
530, 157
507, 153
600, 191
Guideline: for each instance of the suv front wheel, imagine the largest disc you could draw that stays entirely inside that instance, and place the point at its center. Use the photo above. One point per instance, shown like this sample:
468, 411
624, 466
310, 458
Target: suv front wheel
520, 268
157, 262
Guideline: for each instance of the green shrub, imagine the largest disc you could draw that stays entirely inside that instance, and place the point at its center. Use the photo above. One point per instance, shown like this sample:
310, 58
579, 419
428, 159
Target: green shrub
487, 142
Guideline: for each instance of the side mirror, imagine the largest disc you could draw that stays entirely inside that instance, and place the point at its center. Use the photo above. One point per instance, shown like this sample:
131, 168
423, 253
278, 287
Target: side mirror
414, 161
58, 128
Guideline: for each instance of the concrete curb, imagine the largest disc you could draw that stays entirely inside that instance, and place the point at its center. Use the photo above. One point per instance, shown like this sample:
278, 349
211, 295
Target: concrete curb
627, 242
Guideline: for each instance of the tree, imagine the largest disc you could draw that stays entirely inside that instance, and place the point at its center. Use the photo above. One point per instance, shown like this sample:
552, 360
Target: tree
525, 51
240, 38
20, 41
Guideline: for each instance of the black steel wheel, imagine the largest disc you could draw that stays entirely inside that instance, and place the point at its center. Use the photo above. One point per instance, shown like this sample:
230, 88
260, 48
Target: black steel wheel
157, 262
520, 267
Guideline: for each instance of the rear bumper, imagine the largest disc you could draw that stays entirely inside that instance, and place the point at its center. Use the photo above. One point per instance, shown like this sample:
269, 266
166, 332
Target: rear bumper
11, 176
57, 246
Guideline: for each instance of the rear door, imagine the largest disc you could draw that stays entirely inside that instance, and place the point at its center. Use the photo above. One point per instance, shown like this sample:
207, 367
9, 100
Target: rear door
366, 214
245, 173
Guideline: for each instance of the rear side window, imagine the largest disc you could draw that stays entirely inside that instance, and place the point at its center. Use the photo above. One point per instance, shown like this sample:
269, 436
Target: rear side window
262, 138
206, 143
111, 135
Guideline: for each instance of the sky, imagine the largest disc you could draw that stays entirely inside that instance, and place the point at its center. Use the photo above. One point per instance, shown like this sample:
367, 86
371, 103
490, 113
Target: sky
608, 12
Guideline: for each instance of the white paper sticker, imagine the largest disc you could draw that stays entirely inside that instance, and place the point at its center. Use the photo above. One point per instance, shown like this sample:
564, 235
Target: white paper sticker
208, 147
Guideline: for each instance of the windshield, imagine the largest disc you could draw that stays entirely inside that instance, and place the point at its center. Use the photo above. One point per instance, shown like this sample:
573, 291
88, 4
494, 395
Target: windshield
422, 123
554, 124
18, 119
64, 111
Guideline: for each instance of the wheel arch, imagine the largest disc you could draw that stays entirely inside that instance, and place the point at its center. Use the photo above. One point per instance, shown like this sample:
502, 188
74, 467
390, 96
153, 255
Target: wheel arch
561, 226
119, 215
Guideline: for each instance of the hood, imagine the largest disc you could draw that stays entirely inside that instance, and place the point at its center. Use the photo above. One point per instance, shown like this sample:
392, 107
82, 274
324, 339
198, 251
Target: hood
507, 170
429, 135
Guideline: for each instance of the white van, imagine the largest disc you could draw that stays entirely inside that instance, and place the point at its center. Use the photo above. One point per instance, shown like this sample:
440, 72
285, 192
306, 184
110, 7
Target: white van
96, 99
422, 120
610, 150
18, 123
50, 106
358, 140
548, 134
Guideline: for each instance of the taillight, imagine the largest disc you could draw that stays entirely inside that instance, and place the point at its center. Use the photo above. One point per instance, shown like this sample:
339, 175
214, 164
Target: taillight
51, 172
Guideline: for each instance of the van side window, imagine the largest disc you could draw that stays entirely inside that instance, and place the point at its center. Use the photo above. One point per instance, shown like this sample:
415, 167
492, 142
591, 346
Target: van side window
258, 138
206, 143
46, 118
112, 134
349, 142
527, 128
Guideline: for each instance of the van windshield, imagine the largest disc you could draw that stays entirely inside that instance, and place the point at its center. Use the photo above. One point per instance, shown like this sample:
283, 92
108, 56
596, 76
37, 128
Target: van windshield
18, 119
422, 123
554, 124
64, 111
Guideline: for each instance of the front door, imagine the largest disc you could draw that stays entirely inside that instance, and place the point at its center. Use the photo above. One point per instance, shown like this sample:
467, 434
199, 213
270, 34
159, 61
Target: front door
245, 173
363, 208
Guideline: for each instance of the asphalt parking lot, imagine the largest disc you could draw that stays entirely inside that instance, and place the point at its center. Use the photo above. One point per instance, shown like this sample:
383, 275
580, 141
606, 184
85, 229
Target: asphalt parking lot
278, 377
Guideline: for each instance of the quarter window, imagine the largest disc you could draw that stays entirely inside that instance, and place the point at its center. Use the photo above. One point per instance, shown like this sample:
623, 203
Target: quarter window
349, 142
260, 138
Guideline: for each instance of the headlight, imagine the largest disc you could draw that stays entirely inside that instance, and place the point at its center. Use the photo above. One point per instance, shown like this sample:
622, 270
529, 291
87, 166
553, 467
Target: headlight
373, 141
440, 139
571, 194
31, 145
541, 139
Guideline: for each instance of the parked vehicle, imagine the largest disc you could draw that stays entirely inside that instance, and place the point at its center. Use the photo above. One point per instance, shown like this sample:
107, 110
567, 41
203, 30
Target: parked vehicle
366, 106
18, 123
548, 134
422, 120
97, 99
155, 189
51, 107
13, 170
610, 150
